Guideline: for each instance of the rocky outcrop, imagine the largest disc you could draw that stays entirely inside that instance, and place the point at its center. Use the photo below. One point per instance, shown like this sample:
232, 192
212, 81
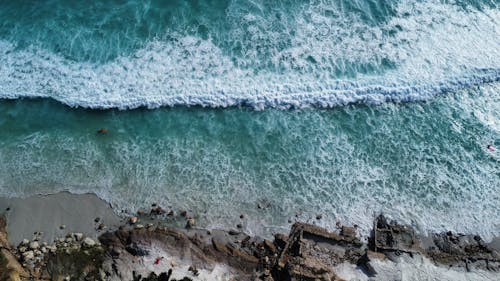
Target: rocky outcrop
156, 252
391, 236
311, 253
308, 253
82, 263
459, 250
10, 268
202, 248
71, 256
469, 251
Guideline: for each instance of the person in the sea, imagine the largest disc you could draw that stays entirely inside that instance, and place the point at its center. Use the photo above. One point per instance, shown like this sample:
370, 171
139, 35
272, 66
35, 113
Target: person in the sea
491, 147
102, 131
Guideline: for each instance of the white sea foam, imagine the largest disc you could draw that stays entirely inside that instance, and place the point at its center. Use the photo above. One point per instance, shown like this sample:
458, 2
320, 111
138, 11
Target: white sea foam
435, 184
416, 268
435, 48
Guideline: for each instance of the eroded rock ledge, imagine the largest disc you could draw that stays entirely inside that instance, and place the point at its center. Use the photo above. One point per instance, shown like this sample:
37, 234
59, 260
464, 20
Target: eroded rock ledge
308, 252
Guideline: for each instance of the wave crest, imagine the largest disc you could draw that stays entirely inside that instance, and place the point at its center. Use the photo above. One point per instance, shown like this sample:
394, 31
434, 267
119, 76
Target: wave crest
424, 50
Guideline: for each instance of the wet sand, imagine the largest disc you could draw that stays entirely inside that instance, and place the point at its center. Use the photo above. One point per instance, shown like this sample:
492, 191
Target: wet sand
47, 213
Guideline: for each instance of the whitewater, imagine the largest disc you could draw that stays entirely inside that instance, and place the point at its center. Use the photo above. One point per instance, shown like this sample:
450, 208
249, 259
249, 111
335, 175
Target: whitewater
344, 108
330, 57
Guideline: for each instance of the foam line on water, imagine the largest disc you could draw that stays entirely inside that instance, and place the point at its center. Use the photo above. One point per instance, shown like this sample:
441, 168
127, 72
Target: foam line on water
422, 164
433, 48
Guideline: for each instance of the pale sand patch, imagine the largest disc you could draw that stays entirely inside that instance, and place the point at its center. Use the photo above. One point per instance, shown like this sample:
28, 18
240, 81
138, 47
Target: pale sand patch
46, 213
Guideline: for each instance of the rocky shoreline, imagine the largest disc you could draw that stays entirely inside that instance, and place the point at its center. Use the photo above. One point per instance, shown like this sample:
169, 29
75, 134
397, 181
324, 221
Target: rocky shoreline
144, 247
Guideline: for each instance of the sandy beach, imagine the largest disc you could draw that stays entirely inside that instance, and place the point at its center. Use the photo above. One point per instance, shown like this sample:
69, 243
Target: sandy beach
56, 215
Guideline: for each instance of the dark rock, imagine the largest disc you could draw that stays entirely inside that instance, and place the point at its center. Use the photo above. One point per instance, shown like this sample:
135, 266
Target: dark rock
237, 256
79, 264
280, 240
311, 252
194, 270
381, 222
245, 240
164, 276
394, 237
158, 211
270, 246
190, 223
348, 231
115, 252
452, 249
135, 250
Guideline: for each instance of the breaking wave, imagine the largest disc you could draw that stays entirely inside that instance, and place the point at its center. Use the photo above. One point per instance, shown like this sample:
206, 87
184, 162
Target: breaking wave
318, 54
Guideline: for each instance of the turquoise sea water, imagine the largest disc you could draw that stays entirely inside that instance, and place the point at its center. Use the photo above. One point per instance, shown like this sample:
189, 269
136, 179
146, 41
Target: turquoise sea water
345, 108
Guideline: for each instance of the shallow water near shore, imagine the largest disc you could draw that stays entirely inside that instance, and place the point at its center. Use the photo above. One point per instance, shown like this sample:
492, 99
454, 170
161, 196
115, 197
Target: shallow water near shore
421, 163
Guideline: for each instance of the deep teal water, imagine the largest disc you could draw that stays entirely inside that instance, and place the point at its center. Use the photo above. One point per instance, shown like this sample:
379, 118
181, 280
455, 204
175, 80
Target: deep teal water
346, 108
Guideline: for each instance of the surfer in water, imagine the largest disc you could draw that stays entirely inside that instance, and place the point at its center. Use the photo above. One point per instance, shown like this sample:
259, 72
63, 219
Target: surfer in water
491, 148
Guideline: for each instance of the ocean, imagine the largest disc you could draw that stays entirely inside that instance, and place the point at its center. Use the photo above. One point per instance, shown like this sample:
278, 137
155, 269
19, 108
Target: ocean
342, 108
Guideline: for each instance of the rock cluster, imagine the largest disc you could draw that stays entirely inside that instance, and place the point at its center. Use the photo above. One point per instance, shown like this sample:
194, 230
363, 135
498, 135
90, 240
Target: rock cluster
394, 237
467, 250
311, 253
308, 252
41, 261
448, 248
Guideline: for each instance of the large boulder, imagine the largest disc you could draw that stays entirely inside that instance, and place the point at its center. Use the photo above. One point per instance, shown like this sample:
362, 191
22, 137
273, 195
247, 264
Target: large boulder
391, 236
10, 268
312, 252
